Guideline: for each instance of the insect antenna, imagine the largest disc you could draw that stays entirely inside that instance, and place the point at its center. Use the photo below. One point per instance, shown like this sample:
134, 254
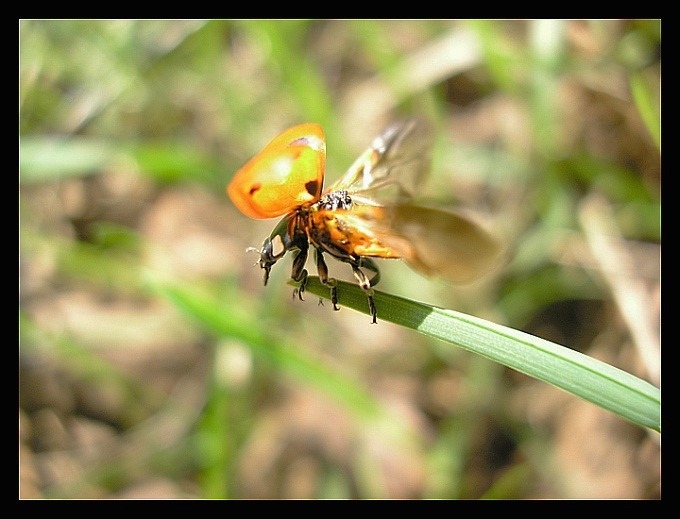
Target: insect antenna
253, 249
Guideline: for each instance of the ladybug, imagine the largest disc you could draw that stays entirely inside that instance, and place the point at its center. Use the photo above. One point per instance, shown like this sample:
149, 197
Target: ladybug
368, 213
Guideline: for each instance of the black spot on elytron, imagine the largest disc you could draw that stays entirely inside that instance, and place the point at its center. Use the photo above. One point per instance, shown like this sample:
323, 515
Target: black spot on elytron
312, 187
254, 189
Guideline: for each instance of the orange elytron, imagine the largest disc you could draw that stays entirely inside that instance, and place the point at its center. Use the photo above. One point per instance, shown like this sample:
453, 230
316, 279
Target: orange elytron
368, 213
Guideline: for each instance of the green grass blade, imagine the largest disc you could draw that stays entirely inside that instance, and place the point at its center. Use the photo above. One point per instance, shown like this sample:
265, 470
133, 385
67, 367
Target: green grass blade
648, 107
45, 159
593, 380
234, 320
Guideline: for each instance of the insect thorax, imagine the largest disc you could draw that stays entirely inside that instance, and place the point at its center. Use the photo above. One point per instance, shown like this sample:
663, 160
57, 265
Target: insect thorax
334, 201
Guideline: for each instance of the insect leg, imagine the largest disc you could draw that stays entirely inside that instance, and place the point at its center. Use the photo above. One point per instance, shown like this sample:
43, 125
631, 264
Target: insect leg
365, 283
369, 264
322, 269
299, 272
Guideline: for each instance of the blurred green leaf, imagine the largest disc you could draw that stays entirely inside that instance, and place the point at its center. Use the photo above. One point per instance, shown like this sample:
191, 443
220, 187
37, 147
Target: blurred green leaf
234, 320
648, 105
44, 159
289, 54
171, 162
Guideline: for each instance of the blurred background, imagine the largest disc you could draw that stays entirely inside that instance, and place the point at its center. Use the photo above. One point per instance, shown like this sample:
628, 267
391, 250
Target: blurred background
154, 364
